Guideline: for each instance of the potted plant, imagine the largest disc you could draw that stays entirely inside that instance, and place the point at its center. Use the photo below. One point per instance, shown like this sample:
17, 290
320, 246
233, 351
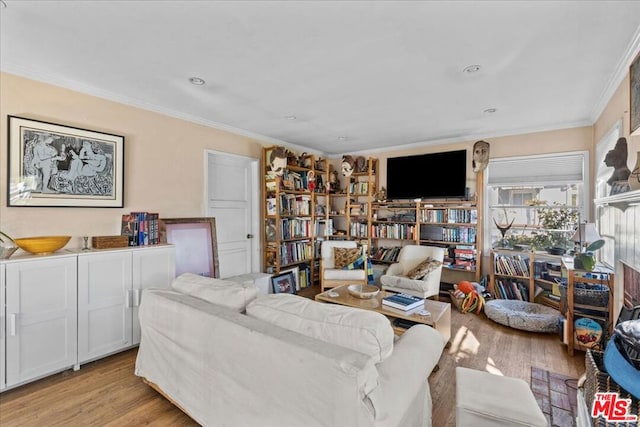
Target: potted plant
7, 246
586, 260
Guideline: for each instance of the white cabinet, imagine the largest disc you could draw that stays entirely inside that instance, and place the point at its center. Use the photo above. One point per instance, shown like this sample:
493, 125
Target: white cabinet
152, 268
109, 291
104, 312
3, 365
62, 310
40, 317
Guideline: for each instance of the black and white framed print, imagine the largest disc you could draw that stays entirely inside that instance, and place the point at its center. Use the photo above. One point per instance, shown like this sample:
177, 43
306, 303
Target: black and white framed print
54, 165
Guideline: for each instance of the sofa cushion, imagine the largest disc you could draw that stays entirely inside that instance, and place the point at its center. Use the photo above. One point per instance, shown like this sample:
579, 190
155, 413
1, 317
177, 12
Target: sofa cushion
229, 294
424, 268
365, 331
345, 256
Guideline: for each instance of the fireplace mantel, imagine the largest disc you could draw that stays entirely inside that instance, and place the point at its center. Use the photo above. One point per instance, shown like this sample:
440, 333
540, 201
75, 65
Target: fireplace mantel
621, 201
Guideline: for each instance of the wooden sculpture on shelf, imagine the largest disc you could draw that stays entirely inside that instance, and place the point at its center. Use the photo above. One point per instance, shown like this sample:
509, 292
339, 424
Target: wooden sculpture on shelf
480, 156
278, 160
617, 158
503, 230
348, 164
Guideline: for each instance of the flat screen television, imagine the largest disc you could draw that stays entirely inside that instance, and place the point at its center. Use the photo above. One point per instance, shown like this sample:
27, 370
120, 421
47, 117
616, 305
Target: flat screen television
427, 176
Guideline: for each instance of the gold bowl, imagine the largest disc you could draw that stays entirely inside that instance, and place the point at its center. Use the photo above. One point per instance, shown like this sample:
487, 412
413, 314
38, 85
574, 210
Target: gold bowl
43, 244
363, 291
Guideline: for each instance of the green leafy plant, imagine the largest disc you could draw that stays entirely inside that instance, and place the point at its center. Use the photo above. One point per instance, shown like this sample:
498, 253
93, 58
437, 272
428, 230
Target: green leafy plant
587, 260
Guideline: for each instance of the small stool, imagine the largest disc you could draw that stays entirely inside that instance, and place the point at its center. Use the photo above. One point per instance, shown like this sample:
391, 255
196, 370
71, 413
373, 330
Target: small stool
484, 399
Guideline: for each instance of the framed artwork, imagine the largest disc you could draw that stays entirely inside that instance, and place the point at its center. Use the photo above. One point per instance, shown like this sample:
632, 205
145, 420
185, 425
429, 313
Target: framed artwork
53, 165
195, 242
283, 283
296, 276
634, 82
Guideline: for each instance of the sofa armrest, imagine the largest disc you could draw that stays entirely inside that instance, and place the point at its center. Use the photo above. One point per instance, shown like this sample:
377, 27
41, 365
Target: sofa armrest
404, 374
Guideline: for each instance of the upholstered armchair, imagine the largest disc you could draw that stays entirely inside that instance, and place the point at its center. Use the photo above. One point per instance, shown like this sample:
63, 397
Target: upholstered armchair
413, 257
332, 275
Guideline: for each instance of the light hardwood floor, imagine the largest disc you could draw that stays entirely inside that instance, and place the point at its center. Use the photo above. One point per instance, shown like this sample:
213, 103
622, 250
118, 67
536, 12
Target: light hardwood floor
107, 393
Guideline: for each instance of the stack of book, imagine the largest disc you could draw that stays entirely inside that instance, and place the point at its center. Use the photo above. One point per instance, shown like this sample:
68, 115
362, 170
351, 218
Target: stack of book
402, 301
141, 228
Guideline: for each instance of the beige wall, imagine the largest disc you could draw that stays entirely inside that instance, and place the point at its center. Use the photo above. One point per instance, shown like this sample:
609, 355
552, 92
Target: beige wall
576, 139
164, 159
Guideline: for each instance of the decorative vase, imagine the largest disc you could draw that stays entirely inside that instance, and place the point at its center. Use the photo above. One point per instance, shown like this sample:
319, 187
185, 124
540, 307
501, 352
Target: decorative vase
585, 261
7, 246
634, 177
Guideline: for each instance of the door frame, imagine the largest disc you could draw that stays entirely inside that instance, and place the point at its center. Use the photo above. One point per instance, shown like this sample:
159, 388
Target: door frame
256, 242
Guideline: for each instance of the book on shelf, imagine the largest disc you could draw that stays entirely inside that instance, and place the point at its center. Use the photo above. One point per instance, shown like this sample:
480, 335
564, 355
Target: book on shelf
141, 228
402, 301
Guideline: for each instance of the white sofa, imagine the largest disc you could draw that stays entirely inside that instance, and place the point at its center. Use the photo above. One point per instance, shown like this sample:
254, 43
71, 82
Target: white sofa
227, 368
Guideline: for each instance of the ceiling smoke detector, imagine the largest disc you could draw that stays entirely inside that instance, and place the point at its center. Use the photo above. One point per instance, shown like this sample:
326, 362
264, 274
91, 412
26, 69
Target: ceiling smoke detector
196, 81
471, 69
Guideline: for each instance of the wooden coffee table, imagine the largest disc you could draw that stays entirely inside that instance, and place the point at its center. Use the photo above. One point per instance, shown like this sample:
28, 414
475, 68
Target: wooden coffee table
439, 317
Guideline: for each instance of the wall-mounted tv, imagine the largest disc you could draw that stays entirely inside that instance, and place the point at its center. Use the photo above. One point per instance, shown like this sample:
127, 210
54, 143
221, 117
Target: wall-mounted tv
427, 176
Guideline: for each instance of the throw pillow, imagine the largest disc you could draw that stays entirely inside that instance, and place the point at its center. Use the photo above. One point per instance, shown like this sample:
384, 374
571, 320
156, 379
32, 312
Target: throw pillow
361, 330
229, 294
424, 268
345, 256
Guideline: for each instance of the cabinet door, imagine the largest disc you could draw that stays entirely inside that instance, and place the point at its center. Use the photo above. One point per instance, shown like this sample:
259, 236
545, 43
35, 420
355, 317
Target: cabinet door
41, 317
152, 268
104, 304
3, 382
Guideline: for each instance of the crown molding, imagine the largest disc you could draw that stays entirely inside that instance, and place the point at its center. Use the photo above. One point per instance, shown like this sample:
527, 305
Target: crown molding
621, 71
54, 80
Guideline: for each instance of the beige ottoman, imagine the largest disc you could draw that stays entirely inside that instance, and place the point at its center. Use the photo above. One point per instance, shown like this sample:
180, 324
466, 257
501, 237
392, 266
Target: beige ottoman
484, 399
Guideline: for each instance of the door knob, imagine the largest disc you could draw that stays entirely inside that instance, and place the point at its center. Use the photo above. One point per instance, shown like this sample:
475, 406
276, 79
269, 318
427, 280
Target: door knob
249, 236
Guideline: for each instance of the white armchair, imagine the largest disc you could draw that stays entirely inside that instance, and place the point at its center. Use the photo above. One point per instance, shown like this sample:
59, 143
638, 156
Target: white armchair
395, 278
330, 276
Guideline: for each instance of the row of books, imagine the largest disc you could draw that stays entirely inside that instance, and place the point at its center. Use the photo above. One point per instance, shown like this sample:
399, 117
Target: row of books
359, 188
468, 216
290, 204
386, 254
142, 228
293, 252
511, 289
456, 234
512, 265
393, 231
293, 228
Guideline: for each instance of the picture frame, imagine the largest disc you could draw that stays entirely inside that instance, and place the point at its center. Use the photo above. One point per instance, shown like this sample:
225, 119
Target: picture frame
634, 94
55, 165
283, 283
196, 244
296, 276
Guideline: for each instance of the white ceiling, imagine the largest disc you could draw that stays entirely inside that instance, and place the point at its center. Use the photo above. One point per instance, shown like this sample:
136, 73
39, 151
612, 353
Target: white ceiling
380, 73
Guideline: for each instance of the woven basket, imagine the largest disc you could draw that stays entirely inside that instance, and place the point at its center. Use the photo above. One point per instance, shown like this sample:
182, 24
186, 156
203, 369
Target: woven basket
586, 296
598, 381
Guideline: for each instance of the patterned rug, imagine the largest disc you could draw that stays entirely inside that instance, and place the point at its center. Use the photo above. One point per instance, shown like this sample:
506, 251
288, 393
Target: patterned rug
556, 395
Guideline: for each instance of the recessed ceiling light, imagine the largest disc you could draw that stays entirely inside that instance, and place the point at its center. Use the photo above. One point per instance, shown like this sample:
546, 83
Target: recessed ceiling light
342, 138
290, 117
196, 81
490, 110
2, 4
471, 69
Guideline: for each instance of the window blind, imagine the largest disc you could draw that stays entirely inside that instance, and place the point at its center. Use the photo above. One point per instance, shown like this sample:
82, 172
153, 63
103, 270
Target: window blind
532, 170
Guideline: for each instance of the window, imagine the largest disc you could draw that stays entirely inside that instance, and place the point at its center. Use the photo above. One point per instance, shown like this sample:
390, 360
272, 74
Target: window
539, 198
604, 223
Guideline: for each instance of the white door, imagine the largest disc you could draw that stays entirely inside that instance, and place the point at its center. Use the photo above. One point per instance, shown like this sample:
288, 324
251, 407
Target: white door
41, 318
232, 200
